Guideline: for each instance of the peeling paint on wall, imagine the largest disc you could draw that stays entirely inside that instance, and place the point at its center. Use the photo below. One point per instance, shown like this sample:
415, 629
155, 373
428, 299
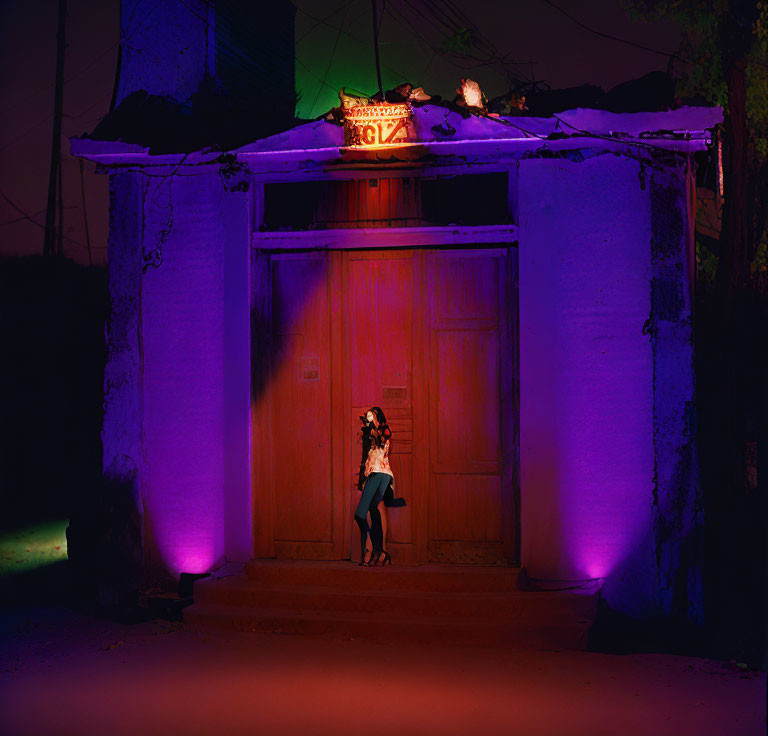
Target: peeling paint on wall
676, 502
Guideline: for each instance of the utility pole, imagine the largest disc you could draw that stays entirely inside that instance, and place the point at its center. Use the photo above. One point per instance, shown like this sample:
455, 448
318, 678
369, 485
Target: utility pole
54, 174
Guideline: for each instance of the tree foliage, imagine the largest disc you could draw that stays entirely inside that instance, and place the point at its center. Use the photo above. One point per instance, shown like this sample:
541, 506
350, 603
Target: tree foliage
723, 60
709, 29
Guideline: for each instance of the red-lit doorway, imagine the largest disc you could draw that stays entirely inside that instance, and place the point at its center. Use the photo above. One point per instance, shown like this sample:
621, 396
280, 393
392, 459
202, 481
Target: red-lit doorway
428, 335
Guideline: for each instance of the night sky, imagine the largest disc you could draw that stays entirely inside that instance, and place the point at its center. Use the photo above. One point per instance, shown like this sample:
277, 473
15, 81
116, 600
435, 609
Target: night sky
330, 54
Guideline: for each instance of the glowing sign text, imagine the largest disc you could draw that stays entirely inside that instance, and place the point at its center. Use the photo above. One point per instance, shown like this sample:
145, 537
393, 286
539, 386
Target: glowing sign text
374, 125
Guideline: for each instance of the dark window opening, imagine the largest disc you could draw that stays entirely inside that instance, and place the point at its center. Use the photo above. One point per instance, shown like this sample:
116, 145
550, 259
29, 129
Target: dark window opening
476, 199
473, 199
290, 206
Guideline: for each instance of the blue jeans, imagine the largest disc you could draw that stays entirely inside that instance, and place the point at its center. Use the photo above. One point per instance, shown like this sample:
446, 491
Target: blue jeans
373, 493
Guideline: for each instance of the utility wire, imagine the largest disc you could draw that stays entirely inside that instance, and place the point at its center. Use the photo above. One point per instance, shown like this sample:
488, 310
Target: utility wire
27, 216
320, 21
328, 67
124, 37
309, 71
606, 35
89, 65
398, 74
21, 219
431, 14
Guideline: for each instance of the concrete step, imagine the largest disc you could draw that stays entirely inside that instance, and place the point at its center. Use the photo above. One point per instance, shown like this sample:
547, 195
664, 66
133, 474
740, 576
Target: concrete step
348, 575
511, 605
457, 604
387, 629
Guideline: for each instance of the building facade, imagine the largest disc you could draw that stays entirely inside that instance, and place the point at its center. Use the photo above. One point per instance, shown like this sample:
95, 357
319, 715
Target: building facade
518, 303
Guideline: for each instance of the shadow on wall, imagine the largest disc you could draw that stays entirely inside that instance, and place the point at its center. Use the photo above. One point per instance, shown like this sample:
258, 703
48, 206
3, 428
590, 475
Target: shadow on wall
277, 315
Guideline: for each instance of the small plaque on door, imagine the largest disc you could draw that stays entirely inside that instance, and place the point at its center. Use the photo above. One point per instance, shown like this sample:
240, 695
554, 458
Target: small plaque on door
310, 369
394, 393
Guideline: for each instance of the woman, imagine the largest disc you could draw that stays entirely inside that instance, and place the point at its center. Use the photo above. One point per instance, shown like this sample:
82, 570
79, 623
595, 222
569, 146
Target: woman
377, 488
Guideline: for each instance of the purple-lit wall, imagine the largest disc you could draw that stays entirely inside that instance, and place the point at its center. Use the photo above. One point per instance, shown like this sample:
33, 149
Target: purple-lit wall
601, 425
586, 374
194, 371
178, 385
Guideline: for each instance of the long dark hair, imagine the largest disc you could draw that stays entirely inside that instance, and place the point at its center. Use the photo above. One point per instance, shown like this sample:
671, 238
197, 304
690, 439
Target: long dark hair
382, 432
380, 418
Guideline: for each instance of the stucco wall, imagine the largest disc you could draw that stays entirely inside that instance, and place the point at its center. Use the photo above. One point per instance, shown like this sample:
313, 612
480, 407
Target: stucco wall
196, 371
121, 426
586, 375
178, 374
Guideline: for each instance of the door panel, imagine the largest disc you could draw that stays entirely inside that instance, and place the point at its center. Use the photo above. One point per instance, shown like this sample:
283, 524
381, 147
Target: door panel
297, 515
467, 395
379, 314
468, 483
379, 290
469, 508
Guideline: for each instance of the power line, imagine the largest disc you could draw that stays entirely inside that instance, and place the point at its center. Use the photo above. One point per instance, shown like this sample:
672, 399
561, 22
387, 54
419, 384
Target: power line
25, 133
35, 214
309, 71
27, 216
49, 116
606, 35
432, 14
398, 74
330, 63
21, 219
320, 21
84, 69
124, 37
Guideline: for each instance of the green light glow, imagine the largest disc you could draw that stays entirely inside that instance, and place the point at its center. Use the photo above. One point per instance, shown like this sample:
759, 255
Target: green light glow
33, 547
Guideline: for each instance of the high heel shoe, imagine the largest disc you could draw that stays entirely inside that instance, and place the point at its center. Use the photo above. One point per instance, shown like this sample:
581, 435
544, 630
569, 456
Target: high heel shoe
375, 558
363, 560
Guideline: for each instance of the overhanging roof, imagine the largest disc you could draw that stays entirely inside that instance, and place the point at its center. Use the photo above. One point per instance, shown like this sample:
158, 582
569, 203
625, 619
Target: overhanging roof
320, 142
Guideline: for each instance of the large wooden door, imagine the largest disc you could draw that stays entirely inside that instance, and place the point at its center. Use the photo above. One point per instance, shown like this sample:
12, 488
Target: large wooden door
429, 337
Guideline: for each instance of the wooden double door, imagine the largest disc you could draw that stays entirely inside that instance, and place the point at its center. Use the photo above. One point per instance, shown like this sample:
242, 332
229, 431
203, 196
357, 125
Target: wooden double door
429, 336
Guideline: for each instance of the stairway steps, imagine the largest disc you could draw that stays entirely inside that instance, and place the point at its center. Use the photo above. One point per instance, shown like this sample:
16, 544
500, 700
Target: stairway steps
460, 605
387, 630
348, 575
504, 606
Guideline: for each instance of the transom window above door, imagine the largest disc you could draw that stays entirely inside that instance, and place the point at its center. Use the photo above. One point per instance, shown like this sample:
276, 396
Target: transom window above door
468, 199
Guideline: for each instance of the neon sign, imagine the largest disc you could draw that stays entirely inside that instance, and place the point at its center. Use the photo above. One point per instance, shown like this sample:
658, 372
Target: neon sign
374, 125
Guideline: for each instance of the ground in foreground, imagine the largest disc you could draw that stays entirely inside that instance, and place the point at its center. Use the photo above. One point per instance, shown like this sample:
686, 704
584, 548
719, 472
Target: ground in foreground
67, 673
